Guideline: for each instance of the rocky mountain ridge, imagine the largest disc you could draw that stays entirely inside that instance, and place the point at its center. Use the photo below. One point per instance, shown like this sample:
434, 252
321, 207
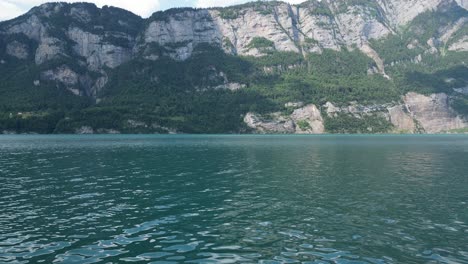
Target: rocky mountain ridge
64, 30
78, 46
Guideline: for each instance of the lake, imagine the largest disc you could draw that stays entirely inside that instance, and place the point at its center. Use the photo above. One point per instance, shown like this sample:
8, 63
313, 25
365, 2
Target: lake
234, 199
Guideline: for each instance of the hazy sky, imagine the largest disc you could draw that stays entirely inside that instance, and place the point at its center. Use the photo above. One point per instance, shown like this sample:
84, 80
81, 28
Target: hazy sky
13, 8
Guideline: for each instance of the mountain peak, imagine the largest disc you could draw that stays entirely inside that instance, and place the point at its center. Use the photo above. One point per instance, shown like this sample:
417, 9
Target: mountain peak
82, 50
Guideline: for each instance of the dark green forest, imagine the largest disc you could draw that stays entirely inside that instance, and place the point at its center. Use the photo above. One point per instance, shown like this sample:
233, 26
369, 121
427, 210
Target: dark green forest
185, 96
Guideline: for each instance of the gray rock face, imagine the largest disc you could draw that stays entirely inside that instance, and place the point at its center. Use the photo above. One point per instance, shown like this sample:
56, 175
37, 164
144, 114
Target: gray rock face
49, 49
290, 28
358, 29
97, 52
402, 120
366, 49
463, 90
416, 114
308, 120
309, 27
64, 75
91, 51
299, 28
18, 50
463, 3
276, 124
305, 120
401, 12
277, 25
356, 110
32, 27
433, 112
181, 32
460, 45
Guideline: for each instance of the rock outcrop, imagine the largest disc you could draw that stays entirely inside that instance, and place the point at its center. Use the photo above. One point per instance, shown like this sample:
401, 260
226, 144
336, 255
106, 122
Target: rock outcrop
433, 112
402, 120
92, 39
304, 120
18, 50
78, 32
97, 51
308, 120
416, 113
275, 123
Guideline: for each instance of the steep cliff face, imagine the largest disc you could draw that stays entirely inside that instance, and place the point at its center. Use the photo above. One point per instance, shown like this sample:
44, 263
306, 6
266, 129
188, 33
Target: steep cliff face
401, 12
105, 38
311, 26
80, 50
416, 113
80, 34
433, 112
303, 120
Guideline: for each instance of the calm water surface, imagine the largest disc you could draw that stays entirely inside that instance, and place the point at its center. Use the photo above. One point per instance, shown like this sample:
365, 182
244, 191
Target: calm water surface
234, 199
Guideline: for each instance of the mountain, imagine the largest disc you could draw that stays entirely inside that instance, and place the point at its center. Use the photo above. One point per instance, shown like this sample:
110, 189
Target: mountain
324, 66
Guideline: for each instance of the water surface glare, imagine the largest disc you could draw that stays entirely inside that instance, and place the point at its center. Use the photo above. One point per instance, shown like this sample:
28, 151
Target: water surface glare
233, 199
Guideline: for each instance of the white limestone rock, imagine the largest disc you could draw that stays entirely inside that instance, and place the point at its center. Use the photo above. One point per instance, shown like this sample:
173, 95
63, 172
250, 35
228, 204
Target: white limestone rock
305, 120
402, 120
48, 49
310, 115
433, 112
97, 52
18, 50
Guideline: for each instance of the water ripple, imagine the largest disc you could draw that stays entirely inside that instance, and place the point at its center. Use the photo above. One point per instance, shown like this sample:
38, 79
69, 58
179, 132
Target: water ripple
229, 199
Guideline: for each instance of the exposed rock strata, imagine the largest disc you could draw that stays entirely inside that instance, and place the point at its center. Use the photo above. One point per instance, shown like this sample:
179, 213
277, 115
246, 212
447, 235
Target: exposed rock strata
18, 50
308, 27
416, 114
433, 112
304, 120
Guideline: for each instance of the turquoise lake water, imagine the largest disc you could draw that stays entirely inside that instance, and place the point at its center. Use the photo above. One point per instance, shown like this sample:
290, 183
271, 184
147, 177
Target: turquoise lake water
233, 199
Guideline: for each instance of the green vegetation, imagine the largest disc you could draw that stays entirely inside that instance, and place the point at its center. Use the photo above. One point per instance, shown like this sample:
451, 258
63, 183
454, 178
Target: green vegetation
394, 48
259, 6
345, 63
427, 25
442, 81
103, 20
178, 95
275, 58
19, 94
397, 48
260, 43
460, 105
167, 14
227, 43
303, 125
348, 124
370, 5
228, 13
164, 92
191, 96
321, 9
458, 35
181, 95
43, 123
459, 131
